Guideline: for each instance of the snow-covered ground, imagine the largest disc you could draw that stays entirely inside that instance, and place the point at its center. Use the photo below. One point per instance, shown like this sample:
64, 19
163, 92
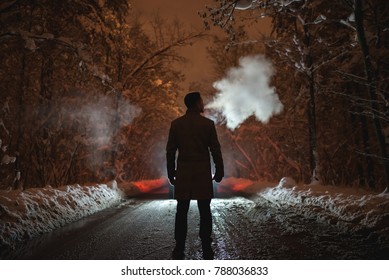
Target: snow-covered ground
32, 212
29, 213
349, 208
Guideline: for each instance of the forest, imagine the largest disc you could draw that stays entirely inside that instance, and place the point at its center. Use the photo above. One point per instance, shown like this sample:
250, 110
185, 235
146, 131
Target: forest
88, 96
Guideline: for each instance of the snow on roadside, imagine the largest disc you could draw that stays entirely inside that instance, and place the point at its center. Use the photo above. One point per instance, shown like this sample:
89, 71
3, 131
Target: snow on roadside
29, 213
351, 209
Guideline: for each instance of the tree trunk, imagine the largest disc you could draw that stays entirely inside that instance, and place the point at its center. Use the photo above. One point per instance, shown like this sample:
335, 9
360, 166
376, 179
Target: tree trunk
360, 121
18, 182
117, 118
313, 153
371, 86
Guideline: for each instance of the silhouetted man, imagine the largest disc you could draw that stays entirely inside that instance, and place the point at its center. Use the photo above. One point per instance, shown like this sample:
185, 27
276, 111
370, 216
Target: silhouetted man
194, 137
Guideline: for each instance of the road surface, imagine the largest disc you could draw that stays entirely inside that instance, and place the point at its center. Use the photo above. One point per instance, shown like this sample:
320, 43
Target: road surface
142, 228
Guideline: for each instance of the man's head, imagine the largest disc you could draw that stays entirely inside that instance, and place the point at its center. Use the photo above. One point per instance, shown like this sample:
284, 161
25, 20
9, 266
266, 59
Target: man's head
193, 100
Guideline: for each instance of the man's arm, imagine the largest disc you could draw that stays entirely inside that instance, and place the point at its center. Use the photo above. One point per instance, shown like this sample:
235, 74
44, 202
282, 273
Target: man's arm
171, 149
216, 153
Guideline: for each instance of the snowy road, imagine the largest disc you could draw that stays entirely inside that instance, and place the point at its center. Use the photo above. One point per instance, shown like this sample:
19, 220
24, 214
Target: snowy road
143, 229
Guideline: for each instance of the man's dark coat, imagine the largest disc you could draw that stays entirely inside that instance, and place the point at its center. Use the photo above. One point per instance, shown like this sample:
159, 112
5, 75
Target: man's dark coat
194, 136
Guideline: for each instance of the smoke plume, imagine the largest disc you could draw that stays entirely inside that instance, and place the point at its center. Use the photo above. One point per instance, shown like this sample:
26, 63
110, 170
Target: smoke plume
100, 116
245, 92
96, 118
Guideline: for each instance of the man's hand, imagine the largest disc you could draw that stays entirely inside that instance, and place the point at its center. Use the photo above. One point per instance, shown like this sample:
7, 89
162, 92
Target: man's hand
171, 174
217, 177
172, 181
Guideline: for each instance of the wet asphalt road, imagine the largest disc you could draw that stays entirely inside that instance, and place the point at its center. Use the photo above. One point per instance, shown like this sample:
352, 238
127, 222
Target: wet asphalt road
143, 228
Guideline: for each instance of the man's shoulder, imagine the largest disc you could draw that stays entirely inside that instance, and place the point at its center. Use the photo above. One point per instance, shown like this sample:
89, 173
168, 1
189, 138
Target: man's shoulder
177, 120
199, 118
208, 121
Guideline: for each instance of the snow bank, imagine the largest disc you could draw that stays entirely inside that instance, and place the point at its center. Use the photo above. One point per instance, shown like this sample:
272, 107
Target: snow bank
234, 185
349, 208
29, 213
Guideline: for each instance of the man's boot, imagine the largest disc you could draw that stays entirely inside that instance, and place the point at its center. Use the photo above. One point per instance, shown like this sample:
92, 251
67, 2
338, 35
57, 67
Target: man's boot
208, 253
179, 251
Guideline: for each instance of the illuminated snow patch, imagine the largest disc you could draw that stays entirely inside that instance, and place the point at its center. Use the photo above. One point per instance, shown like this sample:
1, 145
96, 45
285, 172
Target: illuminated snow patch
29, 213
243, 4
350, 209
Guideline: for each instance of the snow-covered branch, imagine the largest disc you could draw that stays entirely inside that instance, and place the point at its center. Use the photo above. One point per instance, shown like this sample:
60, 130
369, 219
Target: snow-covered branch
180, 42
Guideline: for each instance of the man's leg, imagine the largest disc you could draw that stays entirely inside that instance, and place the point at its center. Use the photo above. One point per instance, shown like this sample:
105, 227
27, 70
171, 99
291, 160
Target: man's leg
181, 227
204, 206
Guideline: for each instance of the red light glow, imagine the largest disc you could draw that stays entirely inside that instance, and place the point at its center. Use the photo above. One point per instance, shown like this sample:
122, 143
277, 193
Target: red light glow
234, 184
152, 186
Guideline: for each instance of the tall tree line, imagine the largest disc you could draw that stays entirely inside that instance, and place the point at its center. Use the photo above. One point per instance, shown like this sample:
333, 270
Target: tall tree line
332, 71
86, 94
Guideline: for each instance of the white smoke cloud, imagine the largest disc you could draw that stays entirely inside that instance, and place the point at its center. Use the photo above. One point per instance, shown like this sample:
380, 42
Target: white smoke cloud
246, 91
96, 118
99, 117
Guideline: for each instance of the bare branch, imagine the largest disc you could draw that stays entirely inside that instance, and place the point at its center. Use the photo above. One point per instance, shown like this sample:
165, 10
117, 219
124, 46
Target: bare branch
179, 42
229, 16
7, 5
291, 162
